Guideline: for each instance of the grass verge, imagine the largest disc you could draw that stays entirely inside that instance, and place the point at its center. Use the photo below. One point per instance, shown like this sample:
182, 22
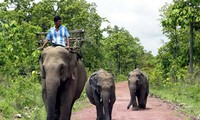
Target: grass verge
185, 96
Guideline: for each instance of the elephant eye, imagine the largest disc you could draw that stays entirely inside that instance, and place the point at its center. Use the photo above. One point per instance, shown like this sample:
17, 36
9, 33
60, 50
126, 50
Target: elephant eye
62, 67
138, 75
138, 82
129, 75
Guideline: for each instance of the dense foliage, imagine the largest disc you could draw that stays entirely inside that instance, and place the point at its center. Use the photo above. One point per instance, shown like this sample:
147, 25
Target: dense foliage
180, 21
118, 51
176, 74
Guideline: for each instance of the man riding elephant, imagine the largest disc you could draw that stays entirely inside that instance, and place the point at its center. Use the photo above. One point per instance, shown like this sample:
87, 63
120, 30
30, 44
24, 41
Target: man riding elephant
58, 36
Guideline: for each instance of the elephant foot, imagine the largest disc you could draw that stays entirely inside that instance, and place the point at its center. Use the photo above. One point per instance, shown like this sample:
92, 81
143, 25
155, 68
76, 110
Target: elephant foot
135, 108
99, 118
57, 115
142, 106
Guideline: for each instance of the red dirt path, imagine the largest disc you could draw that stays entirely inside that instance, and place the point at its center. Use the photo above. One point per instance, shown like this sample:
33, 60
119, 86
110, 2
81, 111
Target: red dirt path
156, 109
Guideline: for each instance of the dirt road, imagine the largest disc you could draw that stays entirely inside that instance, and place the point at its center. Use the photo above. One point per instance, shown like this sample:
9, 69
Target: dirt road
156, 109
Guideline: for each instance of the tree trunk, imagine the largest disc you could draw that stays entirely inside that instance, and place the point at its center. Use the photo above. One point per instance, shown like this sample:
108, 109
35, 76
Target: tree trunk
191, 47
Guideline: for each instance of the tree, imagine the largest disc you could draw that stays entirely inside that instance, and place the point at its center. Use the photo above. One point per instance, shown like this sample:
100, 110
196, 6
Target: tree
18, 53
180, 15
122, 51
76, 14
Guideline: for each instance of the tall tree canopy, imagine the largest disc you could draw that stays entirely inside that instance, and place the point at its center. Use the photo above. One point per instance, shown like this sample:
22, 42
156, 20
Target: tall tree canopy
124, 50
76, 14
181, 22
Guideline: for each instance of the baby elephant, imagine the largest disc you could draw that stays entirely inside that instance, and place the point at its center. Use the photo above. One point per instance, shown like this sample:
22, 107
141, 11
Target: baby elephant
100, 89
139, 88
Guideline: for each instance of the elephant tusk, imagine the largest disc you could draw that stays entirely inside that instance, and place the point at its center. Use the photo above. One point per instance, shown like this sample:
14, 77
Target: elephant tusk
101, 100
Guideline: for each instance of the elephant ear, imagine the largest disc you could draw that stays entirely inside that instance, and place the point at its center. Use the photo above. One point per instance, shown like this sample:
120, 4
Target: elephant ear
42, 71
72, 61
94, 82
142, 78
130, 74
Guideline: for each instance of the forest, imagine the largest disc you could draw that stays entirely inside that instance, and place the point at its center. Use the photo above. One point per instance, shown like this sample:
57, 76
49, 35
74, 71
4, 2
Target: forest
174, 72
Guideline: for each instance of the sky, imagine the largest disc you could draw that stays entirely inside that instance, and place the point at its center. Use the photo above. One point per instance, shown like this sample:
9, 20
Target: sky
139, 17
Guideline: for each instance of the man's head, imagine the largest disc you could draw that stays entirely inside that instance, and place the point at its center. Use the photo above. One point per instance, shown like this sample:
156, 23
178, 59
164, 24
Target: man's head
57, 21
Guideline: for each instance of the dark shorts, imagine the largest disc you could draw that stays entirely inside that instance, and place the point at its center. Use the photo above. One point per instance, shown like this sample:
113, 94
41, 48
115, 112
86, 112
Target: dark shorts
54, 45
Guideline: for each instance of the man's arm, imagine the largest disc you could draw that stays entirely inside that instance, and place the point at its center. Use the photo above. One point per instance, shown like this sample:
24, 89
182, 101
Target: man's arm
44, 44
67, 37
45, 41
68, 43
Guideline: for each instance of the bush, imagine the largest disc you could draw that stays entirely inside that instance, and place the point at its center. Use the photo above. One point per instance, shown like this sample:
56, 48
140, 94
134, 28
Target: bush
186, 95
120, 78
21, 95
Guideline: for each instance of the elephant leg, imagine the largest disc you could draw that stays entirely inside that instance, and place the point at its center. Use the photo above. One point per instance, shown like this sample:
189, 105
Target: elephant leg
146, 95
57, 109
57, 114
111, 103
141, 100
71, 108
44, 93
110, 109
67, 97
145, 100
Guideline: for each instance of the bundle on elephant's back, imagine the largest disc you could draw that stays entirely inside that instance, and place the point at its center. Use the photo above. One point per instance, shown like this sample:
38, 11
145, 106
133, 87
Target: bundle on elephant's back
59, 89
59, 51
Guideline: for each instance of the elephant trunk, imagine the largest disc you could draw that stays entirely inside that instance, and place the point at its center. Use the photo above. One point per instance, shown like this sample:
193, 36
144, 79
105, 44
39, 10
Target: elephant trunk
106, 97
52, 85
132, 88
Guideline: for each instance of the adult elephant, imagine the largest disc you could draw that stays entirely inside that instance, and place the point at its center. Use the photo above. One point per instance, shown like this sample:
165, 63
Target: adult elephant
139, 88
59, 90
100, 89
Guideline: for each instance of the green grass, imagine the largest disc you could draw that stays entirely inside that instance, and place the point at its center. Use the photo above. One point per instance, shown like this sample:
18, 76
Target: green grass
184, 95
23, 96
81, 104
